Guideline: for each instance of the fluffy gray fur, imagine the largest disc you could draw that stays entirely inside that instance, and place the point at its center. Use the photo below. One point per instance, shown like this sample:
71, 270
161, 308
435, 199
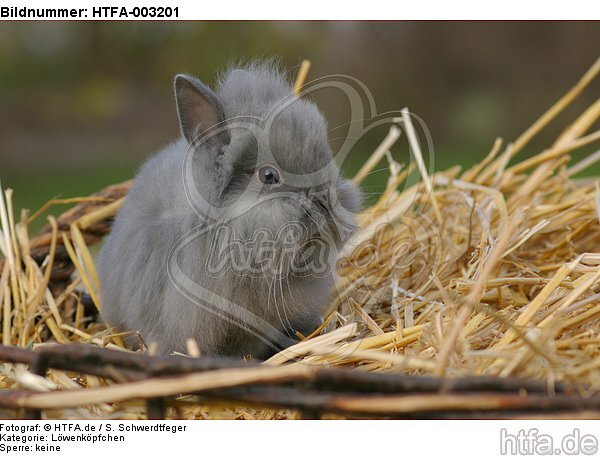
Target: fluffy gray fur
139, 295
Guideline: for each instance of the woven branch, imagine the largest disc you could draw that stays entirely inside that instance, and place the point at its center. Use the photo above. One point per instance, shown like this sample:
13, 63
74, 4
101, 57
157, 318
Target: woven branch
304, 387
93, 231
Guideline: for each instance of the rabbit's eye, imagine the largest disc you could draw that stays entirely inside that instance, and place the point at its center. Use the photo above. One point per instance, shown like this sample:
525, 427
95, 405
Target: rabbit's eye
268, 175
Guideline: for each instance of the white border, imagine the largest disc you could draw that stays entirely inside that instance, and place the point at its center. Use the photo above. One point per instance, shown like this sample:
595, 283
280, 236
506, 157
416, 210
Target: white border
347, 9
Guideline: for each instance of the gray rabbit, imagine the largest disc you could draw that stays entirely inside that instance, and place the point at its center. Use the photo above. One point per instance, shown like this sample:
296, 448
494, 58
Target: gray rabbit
230, 235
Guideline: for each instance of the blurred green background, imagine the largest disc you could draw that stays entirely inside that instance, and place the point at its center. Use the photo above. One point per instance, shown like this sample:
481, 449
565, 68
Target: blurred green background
82, 104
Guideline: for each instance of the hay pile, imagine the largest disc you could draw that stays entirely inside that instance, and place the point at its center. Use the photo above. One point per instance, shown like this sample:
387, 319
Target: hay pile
490, 271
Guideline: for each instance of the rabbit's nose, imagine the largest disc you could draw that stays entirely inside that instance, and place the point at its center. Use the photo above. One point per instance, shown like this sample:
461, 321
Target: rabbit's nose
320, 198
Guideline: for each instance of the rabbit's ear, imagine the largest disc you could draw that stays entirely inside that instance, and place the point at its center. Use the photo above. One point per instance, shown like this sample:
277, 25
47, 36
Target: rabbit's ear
199, 109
